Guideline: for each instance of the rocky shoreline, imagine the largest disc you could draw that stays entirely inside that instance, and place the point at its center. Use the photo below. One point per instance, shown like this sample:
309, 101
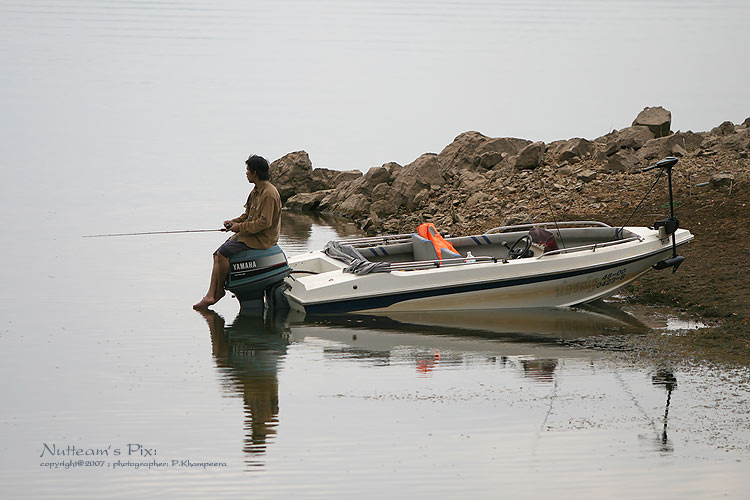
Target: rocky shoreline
478, 182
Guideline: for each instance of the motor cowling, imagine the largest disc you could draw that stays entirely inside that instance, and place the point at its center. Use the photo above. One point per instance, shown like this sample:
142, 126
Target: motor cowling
252, 272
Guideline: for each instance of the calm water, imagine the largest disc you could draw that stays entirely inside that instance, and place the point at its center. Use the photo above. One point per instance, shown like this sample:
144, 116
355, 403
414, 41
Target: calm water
123, 116
101, 351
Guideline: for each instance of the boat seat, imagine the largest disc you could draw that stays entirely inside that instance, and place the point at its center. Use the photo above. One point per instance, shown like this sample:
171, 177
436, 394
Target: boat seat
424, 249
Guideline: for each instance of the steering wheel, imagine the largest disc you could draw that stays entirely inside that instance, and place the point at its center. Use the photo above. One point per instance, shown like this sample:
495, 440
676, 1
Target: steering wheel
515, 251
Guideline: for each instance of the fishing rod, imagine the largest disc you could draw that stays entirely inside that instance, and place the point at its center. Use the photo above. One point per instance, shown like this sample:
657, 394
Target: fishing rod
156, 232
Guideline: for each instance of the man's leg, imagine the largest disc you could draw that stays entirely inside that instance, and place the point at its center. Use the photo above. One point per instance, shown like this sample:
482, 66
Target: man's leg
219, 277
216, 291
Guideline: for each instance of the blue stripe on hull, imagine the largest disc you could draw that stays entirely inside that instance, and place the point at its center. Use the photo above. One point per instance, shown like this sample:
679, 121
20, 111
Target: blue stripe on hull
381, 302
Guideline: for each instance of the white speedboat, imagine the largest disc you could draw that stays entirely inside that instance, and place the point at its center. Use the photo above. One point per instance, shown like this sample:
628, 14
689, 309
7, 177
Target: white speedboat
502, 268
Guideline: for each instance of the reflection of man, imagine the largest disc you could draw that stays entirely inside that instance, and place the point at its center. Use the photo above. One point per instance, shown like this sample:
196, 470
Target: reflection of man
249, 354
257, 228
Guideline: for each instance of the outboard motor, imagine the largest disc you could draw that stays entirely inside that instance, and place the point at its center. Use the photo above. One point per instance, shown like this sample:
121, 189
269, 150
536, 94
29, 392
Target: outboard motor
252, 272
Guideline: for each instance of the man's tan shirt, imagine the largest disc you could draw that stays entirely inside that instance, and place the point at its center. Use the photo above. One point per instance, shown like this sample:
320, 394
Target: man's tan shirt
260, 225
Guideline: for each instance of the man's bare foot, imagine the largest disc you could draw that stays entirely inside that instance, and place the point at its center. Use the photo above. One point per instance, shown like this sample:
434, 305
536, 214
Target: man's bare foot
204, 303
219, 295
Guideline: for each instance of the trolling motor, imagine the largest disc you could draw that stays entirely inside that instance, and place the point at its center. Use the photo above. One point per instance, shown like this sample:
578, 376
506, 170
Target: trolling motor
669, 225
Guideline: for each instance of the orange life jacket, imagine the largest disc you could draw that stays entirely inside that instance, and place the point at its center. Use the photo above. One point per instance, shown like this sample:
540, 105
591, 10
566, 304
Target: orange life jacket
428, 231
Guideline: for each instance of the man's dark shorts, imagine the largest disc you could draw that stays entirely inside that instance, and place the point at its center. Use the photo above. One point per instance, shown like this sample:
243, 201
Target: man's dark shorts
231, 247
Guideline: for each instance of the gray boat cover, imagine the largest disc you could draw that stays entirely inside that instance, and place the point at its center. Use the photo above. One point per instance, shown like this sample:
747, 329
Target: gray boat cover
357, 263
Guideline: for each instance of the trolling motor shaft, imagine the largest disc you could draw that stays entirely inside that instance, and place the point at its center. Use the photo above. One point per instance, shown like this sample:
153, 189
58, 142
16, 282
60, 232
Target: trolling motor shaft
670, 224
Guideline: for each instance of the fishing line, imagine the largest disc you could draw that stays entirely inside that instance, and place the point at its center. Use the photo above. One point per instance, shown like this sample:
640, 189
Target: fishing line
554, 215
661, 171
156, 232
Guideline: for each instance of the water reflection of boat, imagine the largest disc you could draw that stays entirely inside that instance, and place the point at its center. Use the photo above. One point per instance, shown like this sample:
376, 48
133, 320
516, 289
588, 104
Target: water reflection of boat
539, 324
500, 331
249, 353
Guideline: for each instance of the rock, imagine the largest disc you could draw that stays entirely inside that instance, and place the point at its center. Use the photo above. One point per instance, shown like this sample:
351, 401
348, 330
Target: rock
355, 205
726, 128
460, 154
508, 145
472, 181
675, 144
658, 119
422, 197
623, 161
531, 156
472, 150
634, 137
599, 157
393, 167
573, 148
306, 201
383, 208
516, 218
586, 175
611, 147
380, 192
371, 224
605, 139
735, 142
363, 185
422, 173
677, 151
475, 199
328, 201
292, 174
489, 160
721, 180
427, 170
324, 178
746, 123
388, 195
375, 176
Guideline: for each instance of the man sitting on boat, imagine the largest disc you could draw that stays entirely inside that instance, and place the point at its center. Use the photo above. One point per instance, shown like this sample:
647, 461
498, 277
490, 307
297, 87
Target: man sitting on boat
258, 228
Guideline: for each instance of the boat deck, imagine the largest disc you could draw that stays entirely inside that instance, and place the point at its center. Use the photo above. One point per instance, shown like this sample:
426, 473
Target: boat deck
404, 251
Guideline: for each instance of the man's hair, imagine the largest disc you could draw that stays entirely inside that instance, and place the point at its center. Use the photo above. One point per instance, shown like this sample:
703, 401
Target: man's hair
259, 166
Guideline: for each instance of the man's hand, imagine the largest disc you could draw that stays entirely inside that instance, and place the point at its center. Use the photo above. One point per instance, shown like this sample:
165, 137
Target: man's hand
231, 226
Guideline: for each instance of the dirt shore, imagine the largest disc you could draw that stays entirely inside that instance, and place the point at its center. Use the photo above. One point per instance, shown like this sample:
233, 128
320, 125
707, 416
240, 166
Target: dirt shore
713, 282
